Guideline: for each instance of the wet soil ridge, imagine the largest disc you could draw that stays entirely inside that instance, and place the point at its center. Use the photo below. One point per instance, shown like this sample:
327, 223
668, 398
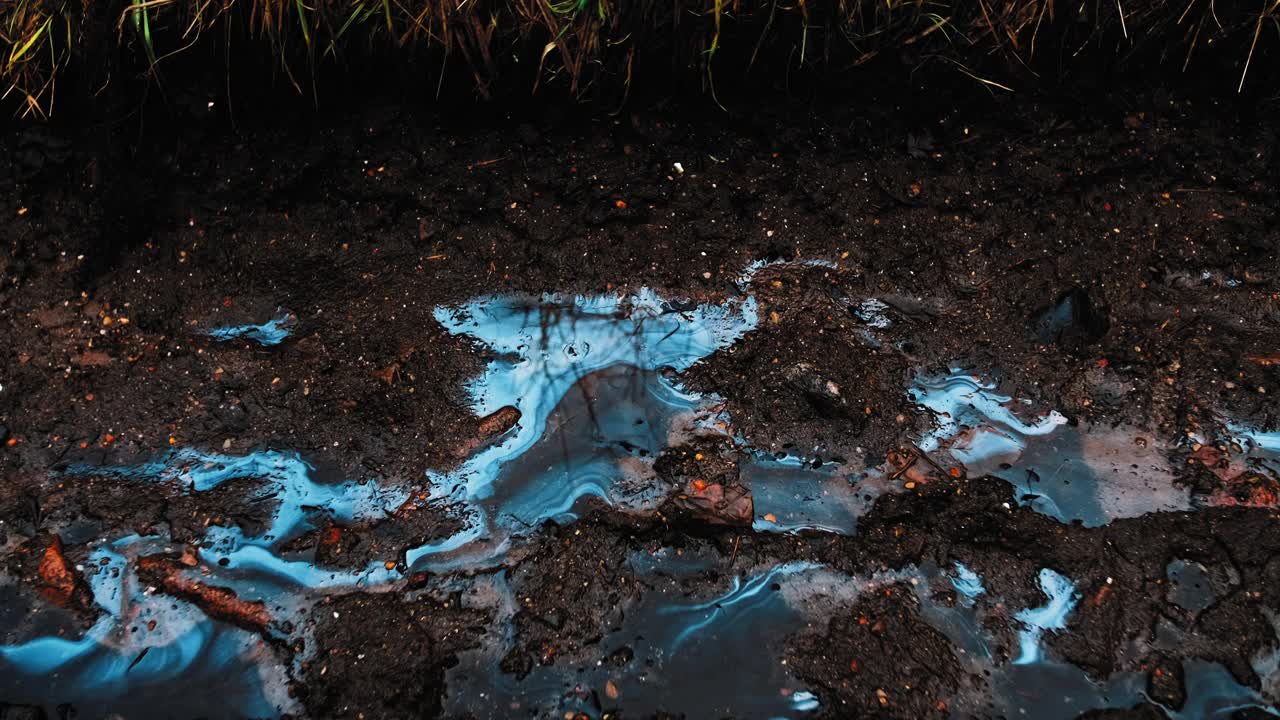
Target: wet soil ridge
594, 49
610, 534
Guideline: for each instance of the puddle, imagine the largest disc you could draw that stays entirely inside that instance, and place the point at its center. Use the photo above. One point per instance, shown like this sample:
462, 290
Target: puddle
791, 495
595, 383
144, 644
672, 654
590, 378
147, 641
1070, 472
587, 377
1038, 684
268, 334
1190, 586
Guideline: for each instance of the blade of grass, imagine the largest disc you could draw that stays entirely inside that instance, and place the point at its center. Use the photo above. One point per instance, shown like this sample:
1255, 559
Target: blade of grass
302, 23
20, 51
1253, 45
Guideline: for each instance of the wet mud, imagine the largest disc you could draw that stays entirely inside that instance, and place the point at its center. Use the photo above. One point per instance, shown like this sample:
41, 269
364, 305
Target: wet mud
646, 418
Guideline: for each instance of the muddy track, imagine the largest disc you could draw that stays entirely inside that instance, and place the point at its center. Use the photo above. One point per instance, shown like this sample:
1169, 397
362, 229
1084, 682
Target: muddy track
1038, 345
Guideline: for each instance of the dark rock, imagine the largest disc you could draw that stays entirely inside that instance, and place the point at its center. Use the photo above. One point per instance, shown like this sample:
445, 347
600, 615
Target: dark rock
518, 663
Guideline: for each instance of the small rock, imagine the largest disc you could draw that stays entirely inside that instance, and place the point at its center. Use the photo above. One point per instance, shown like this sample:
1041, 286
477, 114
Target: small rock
517, 663
823, 394
620, 657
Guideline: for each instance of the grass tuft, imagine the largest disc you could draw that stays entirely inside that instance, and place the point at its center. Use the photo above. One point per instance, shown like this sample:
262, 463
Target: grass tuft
589, 45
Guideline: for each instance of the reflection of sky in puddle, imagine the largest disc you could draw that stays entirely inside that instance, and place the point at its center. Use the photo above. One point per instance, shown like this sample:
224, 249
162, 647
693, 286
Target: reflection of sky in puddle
144, 645
1050, 616
609, 421
123, 659
271, 332
1038, 684
712, 657
1068, 472
587, 375
1190, 586
790, 495
578, 424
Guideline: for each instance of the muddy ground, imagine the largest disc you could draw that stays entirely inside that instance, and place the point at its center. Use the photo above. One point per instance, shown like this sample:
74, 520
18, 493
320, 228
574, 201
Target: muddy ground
1115, 260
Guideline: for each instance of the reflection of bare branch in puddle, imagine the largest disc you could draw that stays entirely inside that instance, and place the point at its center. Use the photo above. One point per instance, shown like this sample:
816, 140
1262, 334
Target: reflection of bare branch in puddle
558, 332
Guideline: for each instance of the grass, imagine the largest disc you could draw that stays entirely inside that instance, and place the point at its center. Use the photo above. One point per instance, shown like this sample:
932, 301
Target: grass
584, 45
35, 42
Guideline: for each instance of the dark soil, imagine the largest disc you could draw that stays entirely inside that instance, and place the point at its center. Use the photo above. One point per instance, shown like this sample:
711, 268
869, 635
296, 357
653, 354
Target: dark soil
1116, 261
383, 656
886, 656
